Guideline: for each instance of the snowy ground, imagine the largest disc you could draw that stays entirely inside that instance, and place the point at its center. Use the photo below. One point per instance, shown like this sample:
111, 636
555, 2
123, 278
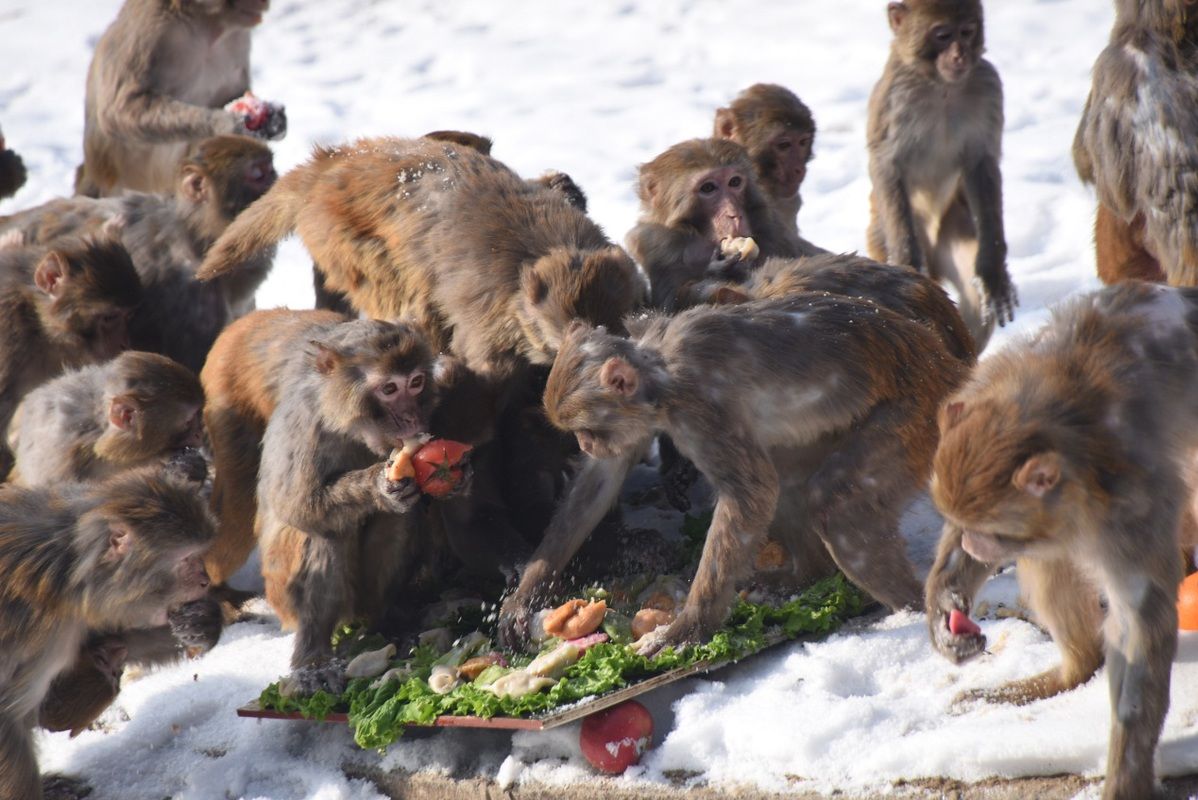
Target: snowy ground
594, 88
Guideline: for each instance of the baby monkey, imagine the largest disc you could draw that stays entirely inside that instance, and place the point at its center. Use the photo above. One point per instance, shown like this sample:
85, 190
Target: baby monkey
1068, 454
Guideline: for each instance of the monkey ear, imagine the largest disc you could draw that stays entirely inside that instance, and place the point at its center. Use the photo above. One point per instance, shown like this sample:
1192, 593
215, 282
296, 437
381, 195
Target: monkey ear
952, 415
327, 358
728, 296
896, 12
120, 542
536, 288
618, 376
51, 273
193, 184
123, 412
725, 123
1039, 474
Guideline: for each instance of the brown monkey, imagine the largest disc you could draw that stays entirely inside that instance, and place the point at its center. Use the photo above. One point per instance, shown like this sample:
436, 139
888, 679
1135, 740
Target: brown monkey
59, 308
126, 552
337, 537
462, 246
812, 416
135, 410
697, 199
777, 129
158, 81
1135, 144
12, 170
167, 236
1067, 454
935, 137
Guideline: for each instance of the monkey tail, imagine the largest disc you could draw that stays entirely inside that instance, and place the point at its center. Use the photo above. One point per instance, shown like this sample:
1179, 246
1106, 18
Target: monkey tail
267, 220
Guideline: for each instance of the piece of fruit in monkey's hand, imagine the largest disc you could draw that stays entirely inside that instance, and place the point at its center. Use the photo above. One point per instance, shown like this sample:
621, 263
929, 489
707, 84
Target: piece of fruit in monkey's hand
739, 248
435, 464
265, 119
1187, 604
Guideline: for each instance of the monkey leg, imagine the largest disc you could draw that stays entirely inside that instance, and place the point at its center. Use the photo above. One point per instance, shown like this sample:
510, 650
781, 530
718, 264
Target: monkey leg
19, 778
953, 259
855, 499
321, 594
875, 237
1119, 252
328, 298
236, 447
1067, 605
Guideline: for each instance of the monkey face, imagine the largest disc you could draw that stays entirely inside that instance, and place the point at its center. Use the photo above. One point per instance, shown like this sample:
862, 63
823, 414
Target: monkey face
956, 48
718, 198
782, 162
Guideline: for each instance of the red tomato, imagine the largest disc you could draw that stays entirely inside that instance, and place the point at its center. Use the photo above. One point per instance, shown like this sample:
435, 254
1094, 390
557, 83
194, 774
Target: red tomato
437, 473
613, 740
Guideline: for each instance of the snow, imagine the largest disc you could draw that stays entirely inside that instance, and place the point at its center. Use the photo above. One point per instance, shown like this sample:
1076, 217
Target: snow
593, 89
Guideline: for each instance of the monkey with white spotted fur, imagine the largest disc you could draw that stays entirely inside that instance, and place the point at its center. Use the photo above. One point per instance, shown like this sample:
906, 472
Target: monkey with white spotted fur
1068, 454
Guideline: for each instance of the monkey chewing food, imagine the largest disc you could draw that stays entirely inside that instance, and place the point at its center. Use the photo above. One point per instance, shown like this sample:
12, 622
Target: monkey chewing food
435, 464
739, 248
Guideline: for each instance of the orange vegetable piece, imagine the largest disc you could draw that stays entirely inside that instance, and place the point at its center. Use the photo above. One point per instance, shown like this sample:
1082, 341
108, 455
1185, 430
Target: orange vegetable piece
1187, 604
575, 618
648, 619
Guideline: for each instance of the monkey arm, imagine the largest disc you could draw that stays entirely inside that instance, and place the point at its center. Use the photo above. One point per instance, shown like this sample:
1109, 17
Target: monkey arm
983, 193
592, 492
139, 114
672, 259
1082, 161
952, 583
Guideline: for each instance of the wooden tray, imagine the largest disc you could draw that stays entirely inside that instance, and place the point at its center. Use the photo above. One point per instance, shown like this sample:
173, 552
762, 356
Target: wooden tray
550, 719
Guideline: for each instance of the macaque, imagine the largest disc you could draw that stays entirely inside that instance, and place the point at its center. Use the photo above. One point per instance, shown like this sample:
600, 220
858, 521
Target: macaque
167, 236
811, 417
777, 129
935, 136
1135, 144
61, 307
703, 218
136, 410
337, 537
123, 553
490, 267
12, 170
1068, 455
900, 289
159, 80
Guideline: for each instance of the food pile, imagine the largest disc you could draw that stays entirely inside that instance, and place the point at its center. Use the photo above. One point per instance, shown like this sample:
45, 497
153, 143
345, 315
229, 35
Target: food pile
585, 650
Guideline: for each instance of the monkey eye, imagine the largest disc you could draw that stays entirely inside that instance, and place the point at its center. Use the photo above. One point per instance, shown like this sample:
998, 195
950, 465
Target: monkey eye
942, 34
389, 388
416, 383
968, 32
735, 181
708, 187
805, 142
783, 144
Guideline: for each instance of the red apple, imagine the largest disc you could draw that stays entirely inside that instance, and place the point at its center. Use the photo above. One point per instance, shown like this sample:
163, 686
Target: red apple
614, 739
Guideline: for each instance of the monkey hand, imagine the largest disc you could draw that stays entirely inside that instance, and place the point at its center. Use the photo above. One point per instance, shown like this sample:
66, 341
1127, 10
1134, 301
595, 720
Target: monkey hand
259, 117
731, 260
62, 787
689, 627
515, 622
399, 496
197, 624
998, 298
953, 634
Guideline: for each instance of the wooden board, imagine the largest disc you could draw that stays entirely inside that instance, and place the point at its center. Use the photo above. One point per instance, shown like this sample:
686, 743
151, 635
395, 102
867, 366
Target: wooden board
550, 719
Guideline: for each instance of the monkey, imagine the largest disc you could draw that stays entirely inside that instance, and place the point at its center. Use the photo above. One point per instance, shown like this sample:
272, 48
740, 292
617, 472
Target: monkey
158, 81
934, 134
695, 196
1134, 144
88, 424
125, 552
811, 416
12, 170
464, 247
167, 236
778, 130
337, 537
1068, 453
900, 289
60, 307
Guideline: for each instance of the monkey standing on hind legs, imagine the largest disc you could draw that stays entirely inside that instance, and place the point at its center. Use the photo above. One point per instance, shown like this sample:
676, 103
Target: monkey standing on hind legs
1068, 454
935, 135
1137, 144
124, 553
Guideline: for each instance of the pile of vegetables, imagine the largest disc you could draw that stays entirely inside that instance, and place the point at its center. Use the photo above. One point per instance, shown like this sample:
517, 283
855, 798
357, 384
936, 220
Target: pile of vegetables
473, 680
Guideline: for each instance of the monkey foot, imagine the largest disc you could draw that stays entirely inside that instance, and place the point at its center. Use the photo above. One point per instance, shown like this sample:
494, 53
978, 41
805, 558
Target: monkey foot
62, 787
325, 676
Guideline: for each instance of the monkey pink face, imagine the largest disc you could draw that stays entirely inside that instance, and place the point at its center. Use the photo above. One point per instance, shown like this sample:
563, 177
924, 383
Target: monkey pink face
955, 46
400, 399
720, 197
790, 151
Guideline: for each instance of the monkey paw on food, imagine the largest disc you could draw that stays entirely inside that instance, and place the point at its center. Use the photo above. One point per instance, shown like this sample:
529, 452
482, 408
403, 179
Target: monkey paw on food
325, 676
196, 625
687, 628
398, 496
263, 119
515, 622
